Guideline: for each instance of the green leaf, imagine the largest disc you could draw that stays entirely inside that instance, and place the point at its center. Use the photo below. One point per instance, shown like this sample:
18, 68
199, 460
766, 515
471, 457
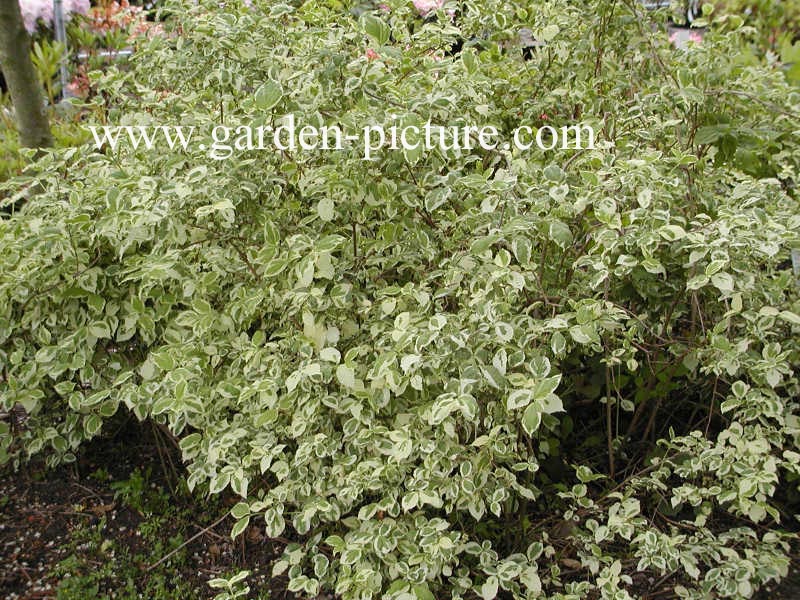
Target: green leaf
100, 330
549, 32
710, 134
272, 235
335, 542
552, 404
351, 556
790, 317
723, 282
715, 266
240, 510
346, 376
672, 233
468, 58
164, 360
522, 250
560, 233
92, 424
240, 526
697, 282
275, 267
162, 405
190, 441
519, 398
545, 387
422, 592
268, 95
583, 334
330, 355
275, 523
558, 343
489, 588
326, 210
531, 419
219, 482
651, 265
530, 579
376, 28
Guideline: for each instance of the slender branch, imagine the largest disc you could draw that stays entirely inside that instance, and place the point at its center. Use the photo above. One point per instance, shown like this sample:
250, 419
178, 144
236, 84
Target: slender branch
187, 542
754, 98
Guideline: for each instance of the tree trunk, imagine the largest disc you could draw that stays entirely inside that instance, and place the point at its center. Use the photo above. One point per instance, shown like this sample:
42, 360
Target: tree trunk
26, 93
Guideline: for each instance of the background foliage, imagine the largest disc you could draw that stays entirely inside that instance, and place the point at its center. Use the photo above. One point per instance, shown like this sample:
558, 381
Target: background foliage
441, 374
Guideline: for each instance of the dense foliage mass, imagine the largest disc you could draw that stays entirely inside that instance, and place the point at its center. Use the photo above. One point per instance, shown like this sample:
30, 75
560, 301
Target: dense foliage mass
561, 374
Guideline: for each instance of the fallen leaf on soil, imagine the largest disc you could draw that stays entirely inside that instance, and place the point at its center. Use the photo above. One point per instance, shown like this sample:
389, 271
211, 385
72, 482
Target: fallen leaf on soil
102, 509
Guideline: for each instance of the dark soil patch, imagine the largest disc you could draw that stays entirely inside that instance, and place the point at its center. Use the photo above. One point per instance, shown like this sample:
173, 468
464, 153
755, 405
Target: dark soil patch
107, 520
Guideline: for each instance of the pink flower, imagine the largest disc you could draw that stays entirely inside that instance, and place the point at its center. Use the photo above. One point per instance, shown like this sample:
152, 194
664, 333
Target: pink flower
77, 6
673, 37
695, 37
371, 54
33, 10
425, 6
385, 7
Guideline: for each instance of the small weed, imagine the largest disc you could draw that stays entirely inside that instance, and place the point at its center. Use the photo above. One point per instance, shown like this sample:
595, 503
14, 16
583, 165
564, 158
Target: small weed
97, 565
100, 474
141, 494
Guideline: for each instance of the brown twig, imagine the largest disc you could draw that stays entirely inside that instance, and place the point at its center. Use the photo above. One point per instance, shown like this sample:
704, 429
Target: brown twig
187, 542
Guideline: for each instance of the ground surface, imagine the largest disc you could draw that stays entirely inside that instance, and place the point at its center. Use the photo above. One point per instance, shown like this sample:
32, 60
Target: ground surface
110, 526
100, 528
